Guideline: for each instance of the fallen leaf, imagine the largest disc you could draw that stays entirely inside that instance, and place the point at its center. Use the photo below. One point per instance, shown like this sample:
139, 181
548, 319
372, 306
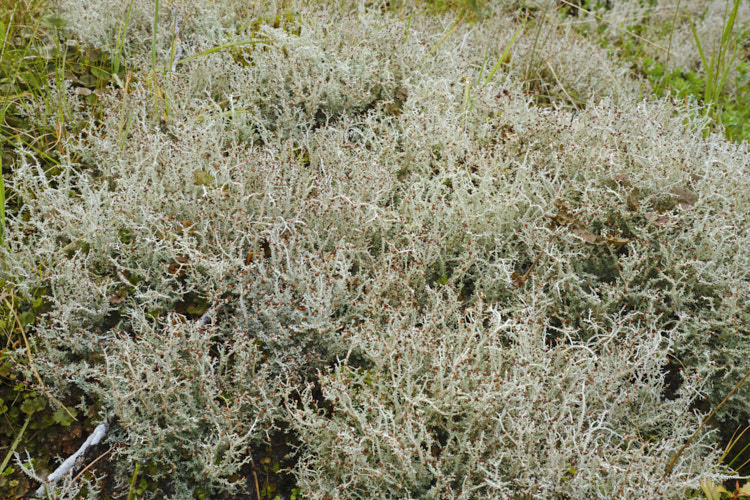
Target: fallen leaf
202, 178
684, 197
100, 74
744, 491
711, 490
518, 280
578, 228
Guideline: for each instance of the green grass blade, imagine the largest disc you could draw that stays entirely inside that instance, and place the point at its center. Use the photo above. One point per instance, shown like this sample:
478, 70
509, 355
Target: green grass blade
219, 48
505, 53
726, 40
2, 215
121, 40
15, 444
725, 73
450, 32
156, 29
706, 66
726, 34
484, 64
671, 32
131, 492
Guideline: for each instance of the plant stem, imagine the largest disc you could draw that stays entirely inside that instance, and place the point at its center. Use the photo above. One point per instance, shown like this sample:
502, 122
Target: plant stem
15, 444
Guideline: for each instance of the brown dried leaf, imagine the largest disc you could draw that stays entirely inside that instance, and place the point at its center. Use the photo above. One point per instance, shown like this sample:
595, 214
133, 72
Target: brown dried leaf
622, 180
401, 93
578, 228
564, 217
616, 241
634, 199
177, 269
589, 238
684, 197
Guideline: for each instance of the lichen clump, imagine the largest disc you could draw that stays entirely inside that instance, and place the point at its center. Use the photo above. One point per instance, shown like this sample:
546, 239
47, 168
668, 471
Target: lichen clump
427, 284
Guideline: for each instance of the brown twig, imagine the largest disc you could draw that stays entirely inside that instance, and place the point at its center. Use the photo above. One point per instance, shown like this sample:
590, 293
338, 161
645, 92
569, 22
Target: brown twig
520, 280
255, 477
78, 476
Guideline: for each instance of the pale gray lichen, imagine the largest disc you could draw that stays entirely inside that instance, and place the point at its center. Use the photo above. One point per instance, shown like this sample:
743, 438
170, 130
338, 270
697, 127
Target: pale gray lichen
363, 221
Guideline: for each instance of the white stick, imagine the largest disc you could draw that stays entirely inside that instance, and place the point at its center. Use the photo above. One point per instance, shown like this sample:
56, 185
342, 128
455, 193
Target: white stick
92, 440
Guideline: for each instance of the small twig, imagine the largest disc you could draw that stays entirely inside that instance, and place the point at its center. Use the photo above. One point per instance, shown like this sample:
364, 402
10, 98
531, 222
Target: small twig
69, 463
255, 477
70, 245
78, 476
519, 280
